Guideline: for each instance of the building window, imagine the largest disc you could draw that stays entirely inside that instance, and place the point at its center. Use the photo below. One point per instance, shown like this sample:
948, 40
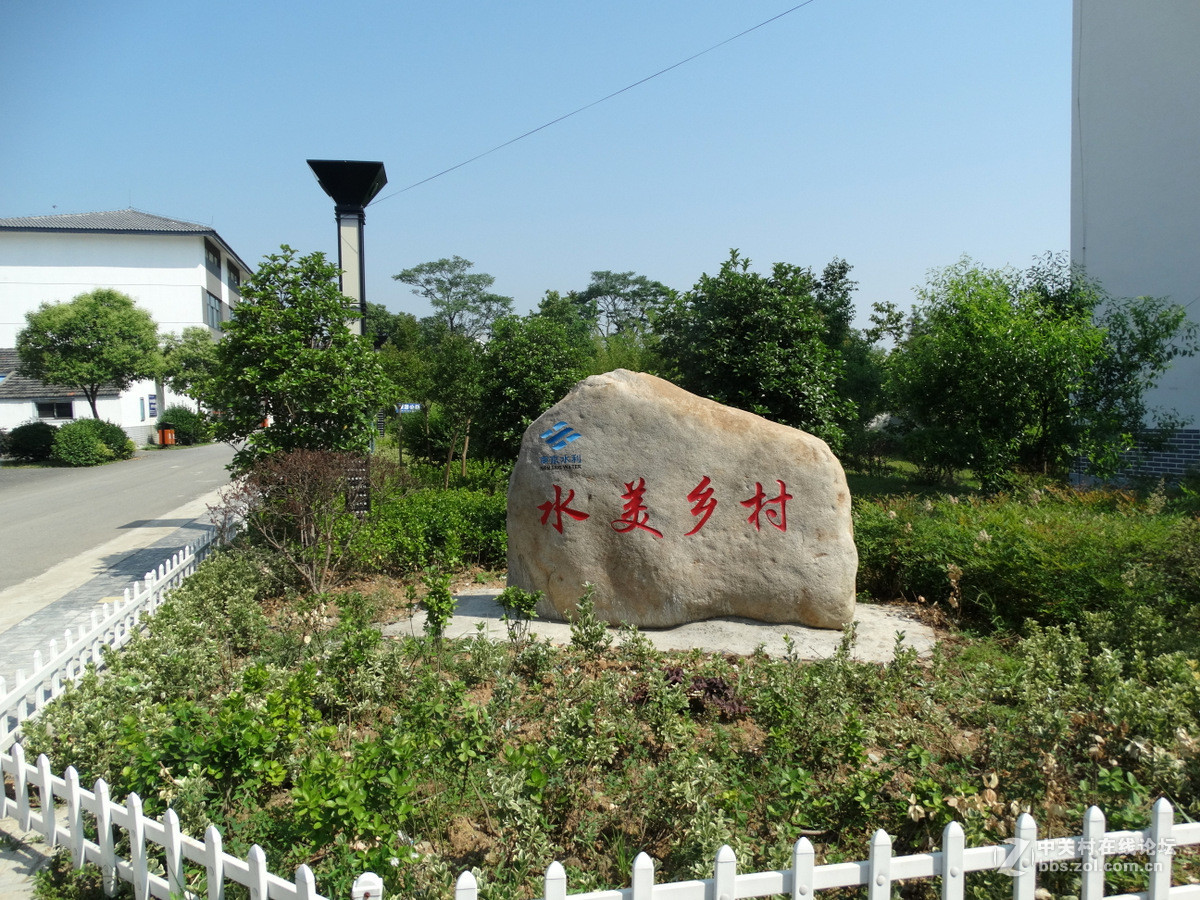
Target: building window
235, 279
142, 408
56, 410
212, 312
212, 258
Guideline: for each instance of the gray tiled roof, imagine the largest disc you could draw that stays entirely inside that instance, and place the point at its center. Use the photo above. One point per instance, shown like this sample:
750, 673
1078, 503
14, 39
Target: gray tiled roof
117, 221
120, 220
18, 387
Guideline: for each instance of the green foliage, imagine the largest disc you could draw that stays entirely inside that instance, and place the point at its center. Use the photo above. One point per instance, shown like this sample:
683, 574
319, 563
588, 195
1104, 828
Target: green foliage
439, 604
114, 438
520, 608
33, 441
301, 505
461, 299
456, 373
1001, 370
189, 651
76, 444
96, 340
60, 880
529, 365
501, 757
191, 427
189, 361
288, 357
588, 632
409, 532
90, 442
1049, 556
329, 744
759, 343
620, 302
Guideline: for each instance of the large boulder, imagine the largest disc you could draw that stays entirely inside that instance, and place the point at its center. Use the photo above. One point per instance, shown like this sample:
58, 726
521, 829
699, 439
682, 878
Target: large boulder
678, 509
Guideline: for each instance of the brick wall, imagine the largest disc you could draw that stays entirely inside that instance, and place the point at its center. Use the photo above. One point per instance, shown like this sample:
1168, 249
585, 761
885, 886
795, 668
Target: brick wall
1177, 459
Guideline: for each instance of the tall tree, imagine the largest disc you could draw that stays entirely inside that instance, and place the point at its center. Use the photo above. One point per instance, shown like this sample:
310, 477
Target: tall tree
1001, 369
455, 388
529, 365
460, 298
757, 342
189, 361
621, 302
289, 359
97, 339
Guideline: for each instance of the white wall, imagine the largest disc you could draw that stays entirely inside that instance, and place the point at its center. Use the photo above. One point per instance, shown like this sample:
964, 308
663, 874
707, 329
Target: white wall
164, 274
18, 412
1135, 193
132, 410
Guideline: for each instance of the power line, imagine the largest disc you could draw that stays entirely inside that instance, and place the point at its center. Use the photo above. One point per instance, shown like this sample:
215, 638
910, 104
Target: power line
588, 106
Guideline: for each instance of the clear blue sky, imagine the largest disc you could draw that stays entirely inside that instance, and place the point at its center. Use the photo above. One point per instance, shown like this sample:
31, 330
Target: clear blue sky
896, 135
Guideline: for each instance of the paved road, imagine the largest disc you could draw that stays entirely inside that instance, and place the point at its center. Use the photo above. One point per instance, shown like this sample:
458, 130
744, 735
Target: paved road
48, 516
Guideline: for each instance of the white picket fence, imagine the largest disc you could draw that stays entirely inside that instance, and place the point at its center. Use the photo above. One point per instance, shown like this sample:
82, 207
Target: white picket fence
159, 852
112, 626
1021, 858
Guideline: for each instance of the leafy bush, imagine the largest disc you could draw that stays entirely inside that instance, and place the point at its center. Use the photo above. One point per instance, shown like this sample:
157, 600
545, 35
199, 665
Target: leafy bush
76, 444
301, 504
191, 427
1049, 556
113, 437
33, 441
5, 442
413, 531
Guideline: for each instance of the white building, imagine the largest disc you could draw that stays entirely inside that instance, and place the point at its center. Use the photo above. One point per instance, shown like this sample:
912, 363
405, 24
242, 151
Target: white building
1135, 171
182, 273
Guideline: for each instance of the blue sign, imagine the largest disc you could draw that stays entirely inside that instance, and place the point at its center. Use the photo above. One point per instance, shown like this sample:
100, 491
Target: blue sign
154, 404
408, 407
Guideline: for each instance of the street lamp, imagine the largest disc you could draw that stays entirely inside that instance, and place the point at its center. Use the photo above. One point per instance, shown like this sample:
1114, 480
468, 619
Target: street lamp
352, 184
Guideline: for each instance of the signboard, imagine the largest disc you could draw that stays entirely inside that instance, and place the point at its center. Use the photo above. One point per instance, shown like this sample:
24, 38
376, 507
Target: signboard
408, 407
154, 405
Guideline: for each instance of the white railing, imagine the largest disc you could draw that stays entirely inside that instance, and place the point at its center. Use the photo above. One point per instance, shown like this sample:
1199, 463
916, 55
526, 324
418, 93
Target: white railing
111, 626
1021, 858
159, 853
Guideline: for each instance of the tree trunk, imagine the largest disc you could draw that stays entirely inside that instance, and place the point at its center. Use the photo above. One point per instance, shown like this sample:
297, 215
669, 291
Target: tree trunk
91, 393
449, 460
466, 441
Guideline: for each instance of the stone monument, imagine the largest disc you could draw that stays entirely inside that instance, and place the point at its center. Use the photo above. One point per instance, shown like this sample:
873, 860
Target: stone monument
678, 509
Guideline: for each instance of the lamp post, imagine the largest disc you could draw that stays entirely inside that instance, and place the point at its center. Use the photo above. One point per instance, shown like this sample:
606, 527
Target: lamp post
352, 184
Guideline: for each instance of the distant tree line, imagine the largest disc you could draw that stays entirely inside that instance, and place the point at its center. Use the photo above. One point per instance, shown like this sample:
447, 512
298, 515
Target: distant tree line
992, 371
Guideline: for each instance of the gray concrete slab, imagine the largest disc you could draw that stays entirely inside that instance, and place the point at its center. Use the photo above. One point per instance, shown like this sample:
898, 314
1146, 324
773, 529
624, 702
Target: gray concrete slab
22, 854
876, 630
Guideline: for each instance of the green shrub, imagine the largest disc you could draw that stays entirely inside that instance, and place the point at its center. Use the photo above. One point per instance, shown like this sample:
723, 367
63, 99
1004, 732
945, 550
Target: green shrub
5, 442
32, 441
1049, 556
191, 427
113, 436
413, 531
76, 444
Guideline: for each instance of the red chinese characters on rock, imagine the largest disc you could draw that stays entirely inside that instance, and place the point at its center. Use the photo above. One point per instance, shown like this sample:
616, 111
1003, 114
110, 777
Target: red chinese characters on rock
635, 514
774, 508
560, 507
703, 504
